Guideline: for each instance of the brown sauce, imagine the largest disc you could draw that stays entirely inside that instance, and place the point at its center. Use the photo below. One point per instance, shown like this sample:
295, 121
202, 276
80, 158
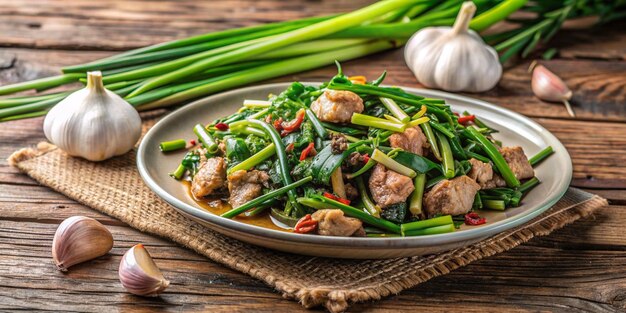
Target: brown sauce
218, 207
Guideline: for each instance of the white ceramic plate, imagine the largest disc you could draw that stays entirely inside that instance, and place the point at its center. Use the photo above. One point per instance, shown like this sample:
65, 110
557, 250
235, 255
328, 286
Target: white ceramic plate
555, 174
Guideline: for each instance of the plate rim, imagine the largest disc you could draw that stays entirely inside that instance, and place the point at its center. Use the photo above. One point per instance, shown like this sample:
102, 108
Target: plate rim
359, 242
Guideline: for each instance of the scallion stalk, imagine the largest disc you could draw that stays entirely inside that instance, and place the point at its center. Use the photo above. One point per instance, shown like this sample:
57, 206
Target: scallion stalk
495, 157
172, 145
370, 121
432, 140
395, 109
449, 228
391, 164
432, 222
415, 204
446, 153
254, 160
268, 196
542, 155
370, 206
205, 138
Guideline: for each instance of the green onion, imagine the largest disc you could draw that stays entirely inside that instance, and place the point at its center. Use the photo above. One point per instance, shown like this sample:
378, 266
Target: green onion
42, 83
205, 138
449, 228
282, 158
432, 222
173, 145
299, 35
418, 121
254, 160
320, 203
494, 204
442, 129
415, 205
391, 164
370, 163
370, 121
268, 196
395, 109
495, 157
256, 103
542, 155
179, 172
369, 205
528, 185
317, 125
448, 159
432, 140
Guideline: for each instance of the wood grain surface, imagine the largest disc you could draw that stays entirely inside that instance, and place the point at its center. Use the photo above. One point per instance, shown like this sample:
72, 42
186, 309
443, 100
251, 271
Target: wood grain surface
580, 268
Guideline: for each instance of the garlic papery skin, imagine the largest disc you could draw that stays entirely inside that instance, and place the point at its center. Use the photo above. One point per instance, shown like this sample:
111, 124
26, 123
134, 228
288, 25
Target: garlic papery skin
93, 123
453, 58
549, 87
79, 239
139, 274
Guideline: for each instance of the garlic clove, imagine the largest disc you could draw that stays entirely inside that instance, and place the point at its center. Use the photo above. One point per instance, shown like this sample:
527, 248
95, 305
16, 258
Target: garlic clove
548, 86
139, 274
79, 239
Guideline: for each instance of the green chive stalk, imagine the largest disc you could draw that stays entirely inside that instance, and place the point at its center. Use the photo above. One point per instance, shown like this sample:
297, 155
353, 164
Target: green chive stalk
268, 196
392, 164
443, 229
432, 222
542, 155
371, 121
446, 153
254, 160
172, 145
495, 157
299, 35
415, 204
207, 141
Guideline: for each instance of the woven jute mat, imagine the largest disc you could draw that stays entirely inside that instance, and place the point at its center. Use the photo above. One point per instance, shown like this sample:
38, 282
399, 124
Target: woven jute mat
114, 187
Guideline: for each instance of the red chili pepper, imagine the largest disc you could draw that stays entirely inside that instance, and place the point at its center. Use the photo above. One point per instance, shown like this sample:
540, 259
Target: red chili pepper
222, 126
289, 147
457, 114
305, 225
338, 199
192, 142
466, 119
366, 158
278, 124
295, 123
309, 150
473, 218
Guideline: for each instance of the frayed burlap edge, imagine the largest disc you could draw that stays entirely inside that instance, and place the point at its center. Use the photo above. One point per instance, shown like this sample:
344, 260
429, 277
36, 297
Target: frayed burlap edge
337, 300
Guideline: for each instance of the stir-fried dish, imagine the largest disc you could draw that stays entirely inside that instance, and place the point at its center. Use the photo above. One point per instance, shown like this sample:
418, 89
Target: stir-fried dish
352, 158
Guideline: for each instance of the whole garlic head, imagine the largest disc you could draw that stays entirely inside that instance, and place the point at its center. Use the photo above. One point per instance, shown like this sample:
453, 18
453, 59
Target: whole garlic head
453, 58
93, 123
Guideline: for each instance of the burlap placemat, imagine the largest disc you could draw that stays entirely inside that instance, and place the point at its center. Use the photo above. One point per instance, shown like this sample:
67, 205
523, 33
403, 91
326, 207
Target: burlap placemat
115, 188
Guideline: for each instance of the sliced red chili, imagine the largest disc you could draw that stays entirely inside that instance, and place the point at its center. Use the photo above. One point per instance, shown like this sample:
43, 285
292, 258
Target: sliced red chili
289, 147
192, 142
222, 126
366, 158
338, 199
466, 119
295, 123
308, 151
473, 218
305, 225
278, 124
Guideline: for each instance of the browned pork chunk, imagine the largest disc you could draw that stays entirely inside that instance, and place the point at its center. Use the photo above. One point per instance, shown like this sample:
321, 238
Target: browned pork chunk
453, 197
389, 187
337, 106
411, 140
211, 178
245, 186
334, 223
496, 181
481, 172
518, 162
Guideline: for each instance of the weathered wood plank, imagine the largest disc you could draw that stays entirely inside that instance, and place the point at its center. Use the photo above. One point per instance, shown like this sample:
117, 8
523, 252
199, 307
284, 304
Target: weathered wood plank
201, 284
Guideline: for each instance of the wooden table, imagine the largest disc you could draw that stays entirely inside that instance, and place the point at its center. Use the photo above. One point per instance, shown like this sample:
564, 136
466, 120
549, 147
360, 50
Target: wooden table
579, 268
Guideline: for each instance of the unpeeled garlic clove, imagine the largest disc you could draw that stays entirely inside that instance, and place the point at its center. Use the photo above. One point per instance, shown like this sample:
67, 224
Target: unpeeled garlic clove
549, 87
139, 274
79, 239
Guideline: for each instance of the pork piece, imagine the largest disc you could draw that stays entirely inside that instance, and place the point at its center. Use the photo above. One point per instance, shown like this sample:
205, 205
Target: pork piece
496, 181
518, 162
412, 140
453, 197
245, 186
334, 223
337, 106
211, 178
389, 187
481, 172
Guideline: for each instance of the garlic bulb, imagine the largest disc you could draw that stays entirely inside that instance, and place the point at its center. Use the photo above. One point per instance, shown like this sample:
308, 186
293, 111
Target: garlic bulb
93, 123
139, 274
549, 87
79, 239
453, 58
